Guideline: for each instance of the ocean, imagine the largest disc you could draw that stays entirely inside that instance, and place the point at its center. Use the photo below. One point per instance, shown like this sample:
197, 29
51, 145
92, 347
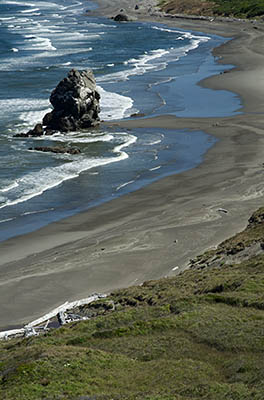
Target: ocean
139, 68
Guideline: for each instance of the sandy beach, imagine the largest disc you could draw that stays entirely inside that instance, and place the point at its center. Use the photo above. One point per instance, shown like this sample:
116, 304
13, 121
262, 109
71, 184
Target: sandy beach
154, 231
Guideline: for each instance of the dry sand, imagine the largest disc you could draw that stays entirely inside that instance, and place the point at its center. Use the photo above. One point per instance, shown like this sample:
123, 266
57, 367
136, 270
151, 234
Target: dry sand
154, 231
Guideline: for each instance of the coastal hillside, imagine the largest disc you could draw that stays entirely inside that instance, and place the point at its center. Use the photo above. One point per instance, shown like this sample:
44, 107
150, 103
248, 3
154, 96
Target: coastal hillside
195, 336
226, 8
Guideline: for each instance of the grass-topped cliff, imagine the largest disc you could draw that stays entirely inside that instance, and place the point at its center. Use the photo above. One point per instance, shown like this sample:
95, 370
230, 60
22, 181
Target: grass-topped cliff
199, 335
227, 8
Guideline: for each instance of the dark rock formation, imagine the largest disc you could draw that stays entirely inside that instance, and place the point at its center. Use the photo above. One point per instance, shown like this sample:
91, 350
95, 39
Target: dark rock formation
75, 103
121, 18
37, 131
257, 218
22, 134
235, 249
57, 149
137, 115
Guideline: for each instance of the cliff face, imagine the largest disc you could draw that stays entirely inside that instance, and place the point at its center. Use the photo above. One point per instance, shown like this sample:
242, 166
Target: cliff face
238, 249
198, 335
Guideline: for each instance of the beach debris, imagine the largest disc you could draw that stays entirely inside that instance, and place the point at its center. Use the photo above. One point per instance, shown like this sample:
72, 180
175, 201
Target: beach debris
61, 318
5, 335
66, 318
75, 102
36, 327
30, 331
223, 210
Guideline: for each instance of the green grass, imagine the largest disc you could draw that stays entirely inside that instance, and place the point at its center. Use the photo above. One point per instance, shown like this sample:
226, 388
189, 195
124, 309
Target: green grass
196, 336
239, 8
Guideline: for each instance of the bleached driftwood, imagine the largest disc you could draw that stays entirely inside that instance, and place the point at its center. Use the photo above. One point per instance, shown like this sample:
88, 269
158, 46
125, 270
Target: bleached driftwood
12, 332
33, 328
64, 307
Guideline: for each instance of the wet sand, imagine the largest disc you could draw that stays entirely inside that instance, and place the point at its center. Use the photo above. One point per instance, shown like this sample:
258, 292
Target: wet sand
154, 231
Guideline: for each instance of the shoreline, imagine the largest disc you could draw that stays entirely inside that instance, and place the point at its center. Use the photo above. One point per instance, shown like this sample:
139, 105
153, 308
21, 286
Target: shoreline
154, 231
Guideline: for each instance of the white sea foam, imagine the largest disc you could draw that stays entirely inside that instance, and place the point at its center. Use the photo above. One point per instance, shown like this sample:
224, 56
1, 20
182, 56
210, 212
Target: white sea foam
37, 211
124, 184
6, 18
95, 25
188, 35
194, 41
38, 43
154, 169
78, 138
148, 57
31, 14
35, 183
19, 3
130, 139
144, 63
24, 21
6, 220
29, 11
22, 105
31, 118
154, 142
28, 111
113, 105
71, 6
70, 37
9, 187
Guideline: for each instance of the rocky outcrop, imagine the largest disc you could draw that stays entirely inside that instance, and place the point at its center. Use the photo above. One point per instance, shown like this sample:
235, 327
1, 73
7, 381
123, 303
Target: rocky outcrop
256, 219
57, 149
137, 115
37, 131
75, 103
121, 18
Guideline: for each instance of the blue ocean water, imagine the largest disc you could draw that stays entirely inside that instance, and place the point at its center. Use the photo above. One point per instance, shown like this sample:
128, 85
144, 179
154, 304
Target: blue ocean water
139, 67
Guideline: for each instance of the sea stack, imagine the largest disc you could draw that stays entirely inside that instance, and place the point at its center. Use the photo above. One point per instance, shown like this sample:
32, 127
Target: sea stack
75, 102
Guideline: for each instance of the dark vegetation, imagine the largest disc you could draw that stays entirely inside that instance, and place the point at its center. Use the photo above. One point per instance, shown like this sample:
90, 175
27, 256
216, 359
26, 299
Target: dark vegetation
238, 8
227, 8
199, 335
